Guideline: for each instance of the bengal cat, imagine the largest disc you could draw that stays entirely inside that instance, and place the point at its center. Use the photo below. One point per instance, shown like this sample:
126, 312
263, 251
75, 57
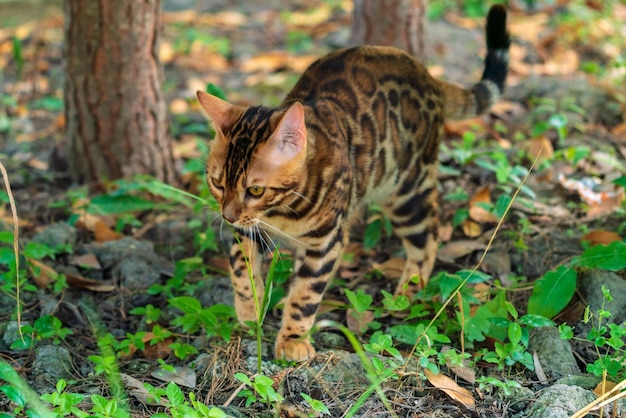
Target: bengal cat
361, 125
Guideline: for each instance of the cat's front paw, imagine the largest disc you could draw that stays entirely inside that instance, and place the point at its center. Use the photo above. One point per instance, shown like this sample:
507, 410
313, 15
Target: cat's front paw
294, 350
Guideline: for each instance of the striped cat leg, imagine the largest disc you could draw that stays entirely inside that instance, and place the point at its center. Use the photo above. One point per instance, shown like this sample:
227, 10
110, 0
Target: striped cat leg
315, 267
245, 259
414, 217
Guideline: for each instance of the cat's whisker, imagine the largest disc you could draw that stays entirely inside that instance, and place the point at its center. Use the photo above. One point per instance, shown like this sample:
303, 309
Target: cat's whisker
301, 196
272, 227
293, 210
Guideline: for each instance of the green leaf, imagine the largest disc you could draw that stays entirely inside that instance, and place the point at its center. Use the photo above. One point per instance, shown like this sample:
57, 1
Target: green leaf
316, 404
552, 292
372, 233
535, 321
215, 91
174, 394
110, 205
14, 394
608, 257
360, 300
620, 181
186, 304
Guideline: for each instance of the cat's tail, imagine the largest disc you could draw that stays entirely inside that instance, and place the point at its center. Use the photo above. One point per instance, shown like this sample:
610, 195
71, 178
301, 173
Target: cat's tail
465, 103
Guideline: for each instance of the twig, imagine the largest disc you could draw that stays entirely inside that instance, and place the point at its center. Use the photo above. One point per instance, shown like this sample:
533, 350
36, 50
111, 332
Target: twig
7, 185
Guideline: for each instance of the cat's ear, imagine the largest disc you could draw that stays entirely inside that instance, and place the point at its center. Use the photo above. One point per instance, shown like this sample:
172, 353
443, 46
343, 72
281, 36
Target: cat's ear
290, 134
221, 113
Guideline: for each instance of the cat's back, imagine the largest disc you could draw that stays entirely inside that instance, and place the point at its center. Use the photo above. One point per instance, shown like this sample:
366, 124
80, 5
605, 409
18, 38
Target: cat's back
353, 72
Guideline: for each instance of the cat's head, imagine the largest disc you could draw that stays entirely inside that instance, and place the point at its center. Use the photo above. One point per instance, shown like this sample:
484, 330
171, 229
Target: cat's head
256, 160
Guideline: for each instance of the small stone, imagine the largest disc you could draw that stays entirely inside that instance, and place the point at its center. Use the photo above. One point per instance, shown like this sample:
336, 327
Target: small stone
555, 355
57, 235
12, 332
53, 361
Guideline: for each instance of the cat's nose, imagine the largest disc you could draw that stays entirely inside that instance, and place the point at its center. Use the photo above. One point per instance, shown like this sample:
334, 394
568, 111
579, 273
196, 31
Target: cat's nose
230, 219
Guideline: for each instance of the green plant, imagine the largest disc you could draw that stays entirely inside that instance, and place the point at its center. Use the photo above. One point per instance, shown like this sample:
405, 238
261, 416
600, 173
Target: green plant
315, 404
515, 350
215, 320
609, 341
487, 383
259, 389
65, 404
45, 327
173, 398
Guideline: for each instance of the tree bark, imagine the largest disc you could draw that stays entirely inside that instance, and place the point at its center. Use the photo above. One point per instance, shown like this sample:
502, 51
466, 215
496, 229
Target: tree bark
398, 23
114, 105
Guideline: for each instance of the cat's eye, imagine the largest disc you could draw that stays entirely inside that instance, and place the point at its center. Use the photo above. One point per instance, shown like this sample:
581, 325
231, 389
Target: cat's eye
256, 191
216, 183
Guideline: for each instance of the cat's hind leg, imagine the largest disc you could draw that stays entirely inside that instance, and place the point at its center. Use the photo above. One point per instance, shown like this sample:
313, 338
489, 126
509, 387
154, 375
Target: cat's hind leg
413, 212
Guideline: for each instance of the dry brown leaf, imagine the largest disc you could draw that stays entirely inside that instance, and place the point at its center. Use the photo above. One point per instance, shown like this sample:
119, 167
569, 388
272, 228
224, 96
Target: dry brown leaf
459, 127
105, 234
451, 388
187, 147
88, 260
457, 249
471, 229
42, 274
478, 213
562, 62
358, 321
601, 237
463, 371
182, 376
159, 350
539, 148
138, 390
482, 291
76, 280
604, 387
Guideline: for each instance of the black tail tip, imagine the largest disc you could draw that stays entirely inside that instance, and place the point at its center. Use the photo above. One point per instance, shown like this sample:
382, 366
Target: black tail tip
497, 35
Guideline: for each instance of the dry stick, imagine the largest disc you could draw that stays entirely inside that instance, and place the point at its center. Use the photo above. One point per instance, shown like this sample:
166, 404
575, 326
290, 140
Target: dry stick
7, 185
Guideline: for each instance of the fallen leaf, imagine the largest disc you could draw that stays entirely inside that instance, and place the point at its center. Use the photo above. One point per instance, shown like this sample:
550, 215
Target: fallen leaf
541, 375
527, 27
463, 371
539, 148
103, 233
358, 321
81, 282
138, 390
471, 229
477, 212
42, 274
604, 387
88, 260
457, 249
451, 388
182, 376
601, 237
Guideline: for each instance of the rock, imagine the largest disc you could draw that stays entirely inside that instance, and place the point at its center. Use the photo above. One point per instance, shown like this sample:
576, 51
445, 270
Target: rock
517, 399
137, 274
555, 355
51, 364
560, 401
57, 235
590, 286
135, 261
11, 332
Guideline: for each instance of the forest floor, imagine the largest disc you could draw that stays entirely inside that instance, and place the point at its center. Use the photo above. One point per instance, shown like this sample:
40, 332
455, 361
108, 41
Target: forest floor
125, 260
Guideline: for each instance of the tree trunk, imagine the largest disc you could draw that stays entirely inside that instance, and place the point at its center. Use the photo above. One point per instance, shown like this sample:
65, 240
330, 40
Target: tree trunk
114, 105
398, 23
